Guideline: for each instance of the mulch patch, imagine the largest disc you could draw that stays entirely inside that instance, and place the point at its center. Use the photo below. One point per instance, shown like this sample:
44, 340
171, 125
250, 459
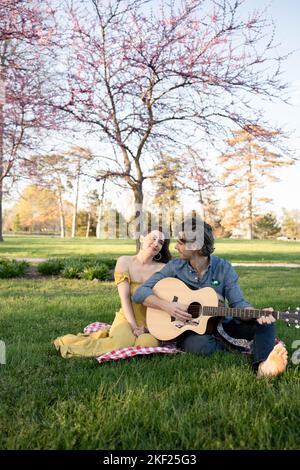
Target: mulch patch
32, 273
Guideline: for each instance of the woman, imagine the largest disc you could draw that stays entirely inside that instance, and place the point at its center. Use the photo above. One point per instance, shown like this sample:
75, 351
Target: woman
129, 326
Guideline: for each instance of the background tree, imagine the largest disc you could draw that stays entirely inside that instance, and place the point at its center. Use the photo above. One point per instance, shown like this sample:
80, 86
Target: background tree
140, 79
101, 201
84, 223
16, 227
52, 172
37, 211
26, 29
167, 190
291, 223
232, 218
266, 226
92, 199
247, 168
201, 181
78, 158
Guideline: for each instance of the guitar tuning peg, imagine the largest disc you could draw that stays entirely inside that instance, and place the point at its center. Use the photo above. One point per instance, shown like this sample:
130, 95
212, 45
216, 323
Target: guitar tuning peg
297, 326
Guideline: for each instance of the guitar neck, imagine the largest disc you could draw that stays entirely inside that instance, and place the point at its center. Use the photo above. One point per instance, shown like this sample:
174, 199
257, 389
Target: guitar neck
240, 312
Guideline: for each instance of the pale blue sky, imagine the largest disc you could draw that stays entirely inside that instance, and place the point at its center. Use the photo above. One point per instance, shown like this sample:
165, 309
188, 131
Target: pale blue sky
286, 14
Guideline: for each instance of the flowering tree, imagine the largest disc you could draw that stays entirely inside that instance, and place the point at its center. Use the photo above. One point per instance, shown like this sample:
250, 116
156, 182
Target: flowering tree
141, 78
26, 28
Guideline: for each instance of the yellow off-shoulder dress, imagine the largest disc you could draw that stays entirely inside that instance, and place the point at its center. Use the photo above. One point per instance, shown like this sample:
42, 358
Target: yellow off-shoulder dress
119, 336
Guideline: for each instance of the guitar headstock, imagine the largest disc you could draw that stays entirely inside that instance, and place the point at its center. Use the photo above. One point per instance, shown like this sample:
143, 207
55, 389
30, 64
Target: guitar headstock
292, 318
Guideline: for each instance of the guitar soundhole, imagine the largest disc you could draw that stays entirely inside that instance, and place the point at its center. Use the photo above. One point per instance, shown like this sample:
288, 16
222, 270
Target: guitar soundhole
195, 309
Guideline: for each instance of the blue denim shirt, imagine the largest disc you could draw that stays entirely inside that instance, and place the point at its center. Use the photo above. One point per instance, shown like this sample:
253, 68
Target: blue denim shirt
220, 275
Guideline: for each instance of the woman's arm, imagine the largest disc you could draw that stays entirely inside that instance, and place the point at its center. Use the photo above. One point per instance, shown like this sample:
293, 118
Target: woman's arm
124, 293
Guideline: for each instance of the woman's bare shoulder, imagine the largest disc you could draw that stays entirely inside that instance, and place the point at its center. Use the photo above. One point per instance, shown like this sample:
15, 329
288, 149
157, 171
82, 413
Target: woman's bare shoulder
123, 263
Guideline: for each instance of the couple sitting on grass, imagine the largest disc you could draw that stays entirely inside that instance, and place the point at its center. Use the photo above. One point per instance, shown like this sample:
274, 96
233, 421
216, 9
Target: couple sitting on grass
135, 277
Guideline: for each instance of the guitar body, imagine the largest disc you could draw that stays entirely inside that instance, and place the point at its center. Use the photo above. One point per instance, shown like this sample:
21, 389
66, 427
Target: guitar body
203, 305
164, 327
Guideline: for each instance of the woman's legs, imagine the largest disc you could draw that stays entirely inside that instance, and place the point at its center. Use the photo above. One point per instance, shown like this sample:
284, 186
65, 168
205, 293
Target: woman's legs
146, 340
122, 332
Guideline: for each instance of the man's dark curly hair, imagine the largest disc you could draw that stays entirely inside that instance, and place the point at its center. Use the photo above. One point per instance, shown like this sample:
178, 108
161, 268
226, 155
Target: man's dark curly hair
193, 224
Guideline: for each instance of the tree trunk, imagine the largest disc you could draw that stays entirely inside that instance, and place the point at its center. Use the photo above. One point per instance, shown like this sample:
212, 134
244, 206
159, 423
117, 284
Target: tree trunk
61, 216
98, 226
250, 219
88, 226
138, 214
171, 223
74, 220
250, 201
99, 217
200, 194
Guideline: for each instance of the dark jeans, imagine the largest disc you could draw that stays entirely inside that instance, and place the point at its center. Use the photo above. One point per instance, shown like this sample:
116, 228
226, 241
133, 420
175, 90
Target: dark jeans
263, 337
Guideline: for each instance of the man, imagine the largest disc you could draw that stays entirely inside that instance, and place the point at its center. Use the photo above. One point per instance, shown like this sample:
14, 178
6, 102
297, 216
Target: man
197, 268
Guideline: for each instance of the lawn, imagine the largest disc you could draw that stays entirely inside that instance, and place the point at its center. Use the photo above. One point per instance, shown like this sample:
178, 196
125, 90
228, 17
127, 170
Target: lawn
177, 401
44, 247
259, 251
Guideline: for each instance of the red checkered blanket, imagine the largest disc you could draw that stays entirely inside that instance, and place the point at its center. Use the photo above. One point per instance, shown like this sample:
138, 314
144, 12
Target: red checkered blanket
125, 353
92, 327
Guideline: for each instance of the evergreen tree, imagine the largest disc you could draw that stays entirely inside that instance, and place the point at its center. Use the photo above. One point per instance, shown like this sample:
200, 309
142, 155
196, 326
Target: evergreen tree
266, 226
248, 166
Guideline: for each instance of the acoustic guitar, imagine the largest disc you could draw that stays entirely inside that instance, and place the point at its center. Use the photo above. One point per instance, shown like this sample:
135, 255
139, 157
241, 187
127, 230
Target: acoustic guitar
203, 305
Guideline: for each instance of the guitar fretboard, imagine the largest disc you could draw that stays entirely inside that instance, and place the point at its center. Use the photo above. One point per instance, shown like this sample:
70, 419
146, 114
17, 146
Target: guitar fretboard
239, 312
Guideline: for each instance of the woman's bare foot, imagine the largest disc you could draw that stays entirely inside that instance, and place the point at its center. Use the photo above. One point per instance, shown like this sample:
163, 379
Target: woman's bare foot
276, 362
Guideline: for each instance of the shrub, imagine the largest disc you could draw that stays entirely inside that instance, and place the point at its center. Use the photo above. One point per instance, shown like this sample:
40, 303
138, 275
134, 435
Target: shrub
110, 262
95, 272
51, 266
90, 261
85, 267
71, 272
12, 268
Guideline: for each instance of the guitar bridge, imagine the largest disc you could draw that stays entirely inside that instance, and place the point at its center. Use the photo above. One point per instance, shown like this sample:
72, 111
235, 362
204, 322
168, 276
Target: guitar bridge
179, 324
192, 322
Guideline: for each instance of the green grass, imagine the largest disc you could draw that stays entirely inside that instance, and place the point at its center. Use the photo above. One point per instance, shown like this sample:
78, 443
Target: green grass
259, 251
157, 402
44, 247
